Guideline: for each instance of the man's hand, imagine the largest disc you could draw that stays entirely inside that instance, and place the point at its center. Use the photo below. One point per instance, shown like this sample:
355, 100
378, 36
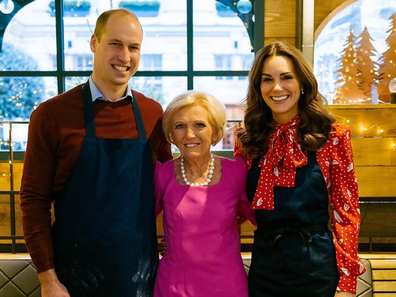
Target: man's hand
50, 285
162, 246
344, 294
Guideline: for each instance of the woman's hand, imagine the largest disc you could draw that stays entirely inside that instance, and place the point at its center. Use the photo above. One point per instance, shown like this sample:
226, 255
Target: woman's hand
344, 294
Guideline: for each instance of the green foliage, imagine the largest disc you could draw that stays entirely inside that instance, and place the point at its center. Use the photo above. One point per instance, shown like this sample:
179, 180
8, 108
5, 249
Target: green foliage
19, 96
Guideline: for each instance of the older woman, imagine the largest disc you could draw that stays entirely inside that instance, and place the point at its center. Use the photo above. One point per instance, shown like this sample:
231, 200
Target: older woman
301, 165
200, 195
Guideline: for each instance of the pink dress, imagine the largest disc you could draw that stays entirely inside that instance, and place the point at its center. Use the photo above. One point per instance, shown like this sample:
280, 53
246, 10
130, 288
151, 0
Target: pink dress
202, 256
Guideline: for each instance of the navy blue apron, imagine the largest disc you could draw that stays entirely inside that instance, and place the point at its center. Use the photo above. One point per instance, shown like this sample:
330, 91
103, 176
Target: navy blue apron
104, 231
293, 252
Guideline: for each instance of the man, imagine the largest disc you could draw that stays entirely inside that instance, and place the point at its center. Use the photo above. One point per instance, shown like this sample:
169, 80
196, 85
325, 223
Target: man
91, 152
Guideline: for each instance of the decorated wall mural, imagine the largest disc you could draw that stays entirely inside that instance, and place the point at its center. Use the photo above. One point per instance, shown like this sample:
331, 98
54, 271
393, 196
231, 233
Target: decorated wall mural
355, 53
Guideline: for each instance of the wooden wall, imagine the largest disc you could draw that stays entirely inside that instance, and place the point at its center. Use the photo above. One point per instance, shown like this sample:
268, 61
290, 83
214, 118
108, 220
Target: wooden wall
280, 18
5, 205
374, 146
280, 21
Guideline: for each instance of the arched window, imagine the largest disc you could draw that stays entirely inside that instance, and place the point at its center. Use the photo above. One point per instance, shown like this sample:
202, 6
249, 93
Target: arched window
354, 54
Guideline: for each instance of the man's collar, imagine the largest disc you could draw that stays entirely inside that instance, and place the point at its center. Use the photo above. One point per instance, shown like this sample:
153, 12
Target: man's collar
97, 95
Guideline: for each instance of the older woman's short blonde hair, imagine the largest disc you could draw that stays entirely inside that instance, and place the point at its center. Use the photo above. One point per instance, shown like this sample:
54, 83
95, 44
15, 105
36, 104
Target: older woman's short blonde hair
215, 109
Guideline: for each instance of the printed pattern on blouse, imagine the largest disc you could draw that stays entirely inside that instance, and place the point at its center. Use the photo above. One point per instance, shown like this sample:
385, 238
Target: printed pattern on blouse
335, 159
279, 166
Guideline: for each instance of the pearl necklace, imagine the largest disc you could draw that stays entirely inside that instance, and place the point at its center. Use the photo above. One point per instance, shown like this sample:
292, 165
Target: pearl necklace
206, 182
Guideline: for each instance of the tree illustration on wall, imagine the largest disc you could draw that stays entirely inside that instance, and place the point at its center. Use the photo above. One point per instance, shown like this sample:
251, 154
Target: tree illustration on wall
367, 69
349, 90
388, 62
374, 26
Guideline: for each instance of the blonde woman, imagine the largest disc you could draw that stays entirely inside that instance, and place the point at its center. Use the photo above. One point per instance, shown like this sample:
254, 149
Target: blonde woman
200, 194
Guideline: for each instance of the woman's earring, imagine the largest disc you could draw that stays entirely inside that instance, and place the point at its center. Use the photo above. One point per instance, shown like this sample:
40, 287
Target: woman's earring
302, 91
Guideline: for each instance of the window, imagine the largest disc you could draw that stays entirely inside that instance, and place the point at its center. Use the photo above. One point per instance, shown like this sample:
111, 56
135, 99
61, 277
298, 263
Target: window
187, 45
229, 62
354, 55
82, 62
44, 51
182, 38
151, 62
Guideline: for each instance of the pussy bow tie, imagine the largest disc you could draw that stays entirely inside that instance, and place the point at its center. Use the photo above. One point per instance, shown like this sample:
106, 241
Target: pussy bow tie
278, 167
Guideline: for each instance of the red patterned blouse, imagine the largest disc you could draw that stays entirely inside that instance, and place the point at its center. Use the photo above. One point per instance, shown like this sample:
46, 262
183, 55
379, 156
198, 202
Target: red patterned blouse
335, 159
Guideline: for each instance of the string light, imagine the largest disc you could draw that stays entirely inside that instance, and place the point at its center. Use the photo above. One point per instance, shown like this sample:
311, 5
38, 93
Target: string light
362, 128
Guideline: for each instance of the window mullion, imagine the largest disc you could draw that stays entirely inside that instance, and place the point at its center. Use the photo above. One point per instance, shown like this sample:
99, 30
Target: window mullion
190, 45
60, 58
258, 25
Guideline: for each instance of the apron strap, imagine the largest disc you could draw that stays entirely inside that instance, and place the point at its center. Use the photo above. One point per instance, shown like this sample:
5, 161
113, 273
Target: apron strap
90, 118
88, 111
252, 179
138, 118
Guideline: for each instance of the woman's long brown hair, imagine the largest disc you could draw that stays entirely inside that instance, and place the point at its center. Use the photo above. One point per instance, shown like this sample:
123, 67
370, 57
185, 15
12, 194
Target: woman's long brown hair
315, 120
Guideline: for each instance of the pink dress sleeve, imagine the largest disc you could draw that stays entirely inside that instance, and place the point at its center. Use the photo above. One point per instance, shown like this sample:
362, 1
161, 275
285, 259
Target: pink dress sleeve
345, 211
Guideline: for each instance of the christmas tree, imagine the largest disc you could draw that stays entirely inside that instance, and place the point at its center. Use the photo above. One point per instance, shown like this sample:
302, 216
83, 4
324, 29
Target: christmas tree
367, 68
349, 91
388, 62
